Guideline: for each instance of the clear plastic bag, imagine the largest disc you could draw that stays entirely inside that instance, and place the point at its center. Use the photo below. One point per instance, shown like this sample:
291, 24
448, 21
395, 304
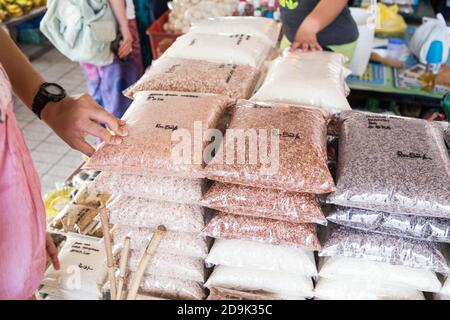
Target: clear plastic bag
171, 288
83, 257
152, 120
379, 273
352, 243
169, 265
256, 255
447, 136
177, 243
264, 203
307, 78
301, 162
446, 288
144, 213
233, 227
230, 294
172, 189
327, 289
392, 164
416, 227
264, 28
173, 74
233, 49
279, 283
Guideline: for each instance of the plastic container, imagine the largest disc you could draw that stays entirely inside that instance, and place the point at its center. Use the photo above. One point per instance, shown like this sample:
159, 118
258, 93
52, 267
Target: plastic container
366, 27
160, 40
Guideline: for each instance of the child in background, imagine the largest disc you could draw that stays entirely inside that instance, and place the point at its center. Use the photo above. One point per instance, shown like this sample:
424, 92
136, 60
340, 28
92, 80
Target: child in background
312, 25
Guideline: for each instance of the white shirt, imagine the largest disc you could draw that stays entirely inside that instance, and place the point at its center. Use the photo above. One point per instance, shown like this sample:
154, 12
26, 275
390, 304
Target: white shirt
131, 12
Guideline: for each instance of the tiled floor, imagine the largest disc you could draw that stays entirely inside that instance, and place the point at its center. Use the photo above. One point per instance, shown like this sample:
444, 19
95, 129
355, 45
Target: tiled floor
54, 160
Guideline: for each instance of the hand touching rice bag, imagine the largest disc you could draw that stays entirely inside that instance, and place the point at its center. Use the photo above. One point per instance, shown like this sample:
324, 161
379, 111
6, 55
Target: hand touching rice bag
185, 75
392, 164
166, 135
274, 146
264, 203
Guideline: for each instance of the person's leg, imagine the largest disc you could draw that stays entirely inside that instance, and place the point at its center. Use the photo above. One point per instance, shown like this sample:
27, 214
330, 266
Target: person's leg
92, 75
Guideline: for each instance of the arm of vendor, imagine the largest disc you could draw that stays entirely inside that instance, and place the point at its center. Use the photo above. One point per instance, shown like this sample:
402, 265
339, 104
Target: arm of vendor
312, 25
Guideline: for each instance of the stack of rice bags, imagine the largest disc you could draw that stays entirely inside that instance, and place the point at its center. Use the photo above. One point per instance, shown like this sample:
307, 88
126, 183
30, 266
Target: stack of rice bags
214, 57
151, 184
392, 213
265, 195
82, 271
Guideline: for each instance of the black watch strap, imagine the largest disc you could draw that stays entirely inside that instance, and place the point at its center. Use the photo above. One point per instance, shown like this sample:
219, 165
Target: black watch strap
44, 96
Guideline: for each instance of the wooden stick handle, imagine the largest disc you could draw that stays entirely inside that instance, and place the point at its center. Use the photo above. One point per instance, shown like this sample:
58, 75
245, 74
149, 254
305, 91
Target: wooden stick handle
149, 252
109, 255
123, 267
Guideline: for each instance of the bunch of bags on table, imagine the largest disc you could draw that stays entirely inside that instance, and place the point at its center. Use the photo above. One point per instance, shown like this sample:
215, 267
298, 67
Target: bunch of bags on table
268, 171
82, 271
221, 56
391, 211
150, 185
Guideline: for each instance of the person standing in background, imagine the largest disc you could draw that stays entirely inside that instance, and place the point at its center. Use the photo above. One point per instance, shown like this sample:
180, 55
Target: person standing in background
106, 83
147, 11
312, 25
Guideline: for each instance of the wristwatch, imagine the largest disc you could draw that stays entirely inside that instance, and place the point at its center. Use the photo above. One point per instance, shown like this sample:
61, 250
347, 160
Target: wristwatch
48, 92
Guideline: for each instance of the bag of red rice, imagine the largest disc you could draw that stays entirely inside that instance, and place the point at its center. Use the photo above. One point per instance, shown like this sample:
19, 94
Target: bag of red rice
264, 203
160, 124
184, 75
233, 227
274, 146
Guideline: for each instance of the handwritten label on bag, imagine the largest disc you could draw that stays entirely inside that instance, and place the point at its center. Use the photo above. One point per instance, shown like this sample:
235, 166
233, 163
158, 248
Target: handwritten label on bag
413, 155
380, 123
167, 127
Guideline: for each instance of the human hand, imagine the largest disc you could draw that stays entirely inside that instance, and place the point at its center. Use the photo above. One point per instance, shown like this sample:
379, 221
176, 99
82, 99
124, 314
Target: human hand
75, 117
126, 44
306, 37
52, 252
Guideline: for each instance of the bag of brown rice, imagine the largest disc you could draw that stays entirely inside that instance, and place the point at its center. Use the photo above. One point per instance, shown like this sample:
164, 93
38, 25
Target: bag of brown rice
139, 212
173, 189
233, 227
177, 243
274, 146
183, 75
392, 164
264, 203
167, 133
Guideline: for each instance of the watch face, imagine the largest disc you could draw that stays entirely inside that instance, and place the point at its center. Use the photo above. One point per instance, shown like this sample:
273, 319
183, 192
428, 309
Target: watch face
54, 89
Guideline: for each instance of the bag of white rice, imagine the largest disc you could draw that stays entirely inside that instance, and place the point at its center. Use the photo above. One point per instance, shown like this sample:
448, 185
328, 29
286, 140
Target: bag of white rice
263, 28
82, 269
377, 273
167, 135
177, 243
187, 75
327, 289
280, 283
256, 255
234, 49
173, 189
307, 78
171, 288
139, 212
230, 294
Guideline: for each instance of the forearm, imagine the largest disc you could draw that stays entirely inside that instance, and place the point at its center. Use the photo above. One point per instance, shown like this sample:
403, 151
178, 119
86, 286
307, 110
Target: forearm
325, 13
120, 12
24, 78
